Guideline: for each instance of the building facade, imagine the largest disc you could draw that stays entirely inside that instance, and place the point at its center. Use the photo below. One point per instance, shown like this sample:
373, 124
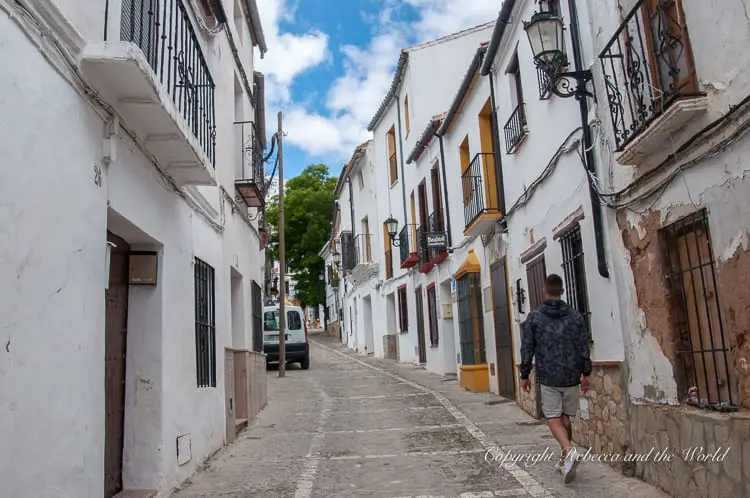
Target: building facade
673, 114
131, 310
634, 192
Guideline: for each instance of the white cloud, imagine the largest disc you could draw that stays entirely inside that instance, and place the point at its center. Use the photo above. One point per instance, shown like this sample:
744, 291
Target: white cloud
288, 55
353, 98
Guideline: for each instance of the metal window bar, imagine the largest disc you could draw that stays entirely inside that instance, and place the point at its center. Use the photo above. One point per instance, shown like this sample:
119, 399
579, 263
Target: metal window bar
470, 320
257, 303
536, 273
251, 155
704, 345
205, 324
647, 66
363, 248
422, 249
545, 84
163, 31
576, 293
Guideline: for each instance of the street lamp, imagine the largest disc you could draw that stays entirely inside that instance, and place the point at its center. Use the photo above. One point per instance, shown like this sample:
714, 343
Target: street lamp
546, 34
336, 259
391, 224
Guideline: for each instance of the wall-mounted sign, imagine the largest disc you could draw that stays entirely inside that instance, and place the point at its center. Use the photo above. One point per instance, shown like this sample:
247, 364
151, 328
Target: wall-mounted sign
437, 240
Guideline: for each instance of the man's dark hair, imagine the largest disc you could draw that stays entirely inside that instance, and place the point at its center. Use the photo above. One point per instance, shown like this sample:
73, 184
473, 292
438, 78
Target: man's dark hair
553, 285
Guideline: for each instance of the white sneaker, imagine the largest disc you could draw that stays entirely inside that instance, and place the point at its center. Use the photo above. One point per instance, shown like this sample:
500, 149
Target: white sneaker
572, 460
558, 466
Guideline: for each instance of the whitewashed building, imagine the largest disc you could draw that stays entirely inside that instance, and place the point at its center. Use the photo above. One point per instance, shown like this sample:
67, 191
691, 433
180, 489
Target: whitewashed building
131, 261
415, 285
674, 111
357, 247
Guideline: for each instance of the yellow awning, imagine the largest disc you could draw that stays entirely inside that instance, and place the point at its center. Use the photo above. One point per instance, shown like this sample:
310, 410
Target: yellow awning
470, 265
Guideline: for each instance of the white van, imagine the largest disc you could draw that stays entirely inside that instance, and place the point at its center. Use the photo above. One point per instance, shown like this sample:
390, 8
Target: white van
296, 346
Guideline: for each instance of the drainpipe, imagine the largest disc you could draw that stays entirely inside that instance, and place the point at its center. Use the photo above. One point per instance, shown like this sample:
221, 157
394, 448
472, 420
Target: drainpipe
351, 205
499, 183
596, 207
401, 155
445, 194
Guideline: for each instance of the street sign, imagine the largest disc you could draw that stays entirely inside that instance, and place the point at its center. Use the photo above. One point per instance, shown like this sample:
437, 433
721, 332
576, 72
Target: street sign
437, 240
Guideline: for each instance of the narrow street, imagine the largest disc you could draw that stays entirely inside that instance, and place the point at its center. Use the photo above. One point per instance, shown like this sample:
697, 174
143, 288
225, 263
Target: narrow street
354, 426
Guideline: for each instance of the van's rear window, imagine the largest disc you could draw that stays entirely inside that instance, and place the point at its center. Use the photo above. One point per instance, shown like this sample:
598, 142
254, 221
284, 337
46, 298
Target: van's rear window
271, 320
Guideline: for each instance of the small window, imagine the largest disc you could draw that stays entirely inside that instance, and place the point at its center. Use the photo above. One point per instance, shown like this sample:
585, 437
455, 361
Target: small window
205, 323
361, 179
391, 145
272, 320
406, 114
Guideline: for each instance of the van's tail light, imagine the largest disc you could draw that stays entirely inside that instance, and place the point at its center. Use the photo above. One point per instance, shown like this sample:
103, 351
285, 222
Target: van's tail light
305, 330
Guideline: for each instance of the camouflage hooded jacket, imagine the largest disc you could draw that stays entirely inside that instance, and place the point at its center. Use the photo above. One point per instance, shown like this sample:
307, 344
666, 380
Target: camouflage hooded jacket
556, 335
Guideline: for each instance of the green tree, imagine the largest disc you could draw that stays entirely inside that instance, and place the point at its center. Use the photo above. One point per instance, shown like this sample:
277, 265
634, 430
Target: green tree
308, 206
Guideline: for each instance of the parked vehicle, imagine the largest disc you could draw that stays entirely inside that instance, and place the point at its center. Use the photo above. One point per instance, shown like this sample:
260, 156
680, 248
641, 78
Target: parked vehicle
297, 345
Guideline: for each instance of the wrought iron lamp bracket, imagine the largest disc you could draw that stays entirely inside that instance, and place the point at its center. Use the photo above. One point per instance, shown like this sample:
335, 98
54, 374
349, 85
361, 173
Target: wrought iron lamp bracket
566, 84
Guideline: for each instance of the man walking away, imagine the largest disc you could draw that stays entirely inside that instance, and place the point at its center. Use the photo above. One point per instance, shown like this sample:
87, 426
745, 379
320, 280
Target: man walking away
556, 335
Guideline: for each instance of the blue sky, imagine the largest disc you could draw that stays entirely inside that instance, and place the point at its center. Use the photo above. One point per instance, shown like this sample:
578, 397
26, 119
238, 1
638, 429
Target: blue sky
330, 63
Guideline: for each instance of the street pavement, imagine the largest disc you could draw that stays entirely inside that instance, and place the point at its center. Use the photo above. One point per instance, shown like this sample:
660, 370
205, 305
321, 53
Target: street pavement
357, 426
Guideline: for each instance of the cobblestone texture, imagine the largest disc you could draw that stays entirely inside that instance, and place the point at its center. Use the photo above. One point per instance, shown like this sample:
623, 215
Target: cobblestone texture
358, 426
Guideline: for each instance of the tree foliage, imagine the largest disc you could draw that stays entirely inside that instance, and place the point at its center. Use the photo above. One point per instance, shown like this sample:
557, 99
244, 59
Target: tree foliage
308, 206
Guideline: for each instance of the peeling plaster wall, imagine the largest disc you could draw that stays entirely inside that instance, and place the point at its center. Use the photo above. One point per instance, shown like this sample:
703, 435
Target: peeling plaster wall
718, 183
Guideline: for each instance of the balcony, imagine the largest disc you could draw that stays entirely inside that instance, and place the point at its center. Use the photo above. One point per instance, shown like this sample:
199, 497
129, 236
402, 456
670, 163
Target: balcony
251, 174
432, 243
363, 248
516, 129
156, 77
480, 205
650, 79
407, 239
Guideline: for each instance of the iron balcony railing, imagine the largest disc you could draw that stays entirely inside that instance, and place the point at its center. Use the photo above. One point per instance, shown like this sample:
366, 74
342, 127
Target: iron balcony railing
251, 167
472, 182
163, 31
406, 242
647, 66
363, 246
515, 128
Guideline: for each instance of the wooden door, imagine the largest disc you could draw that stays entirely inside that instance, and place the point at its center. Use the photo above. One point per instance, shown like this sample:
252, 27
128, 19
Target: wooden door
115, 333
437, 201
503, 334
423, 206
421, 347
432, 314
671, 56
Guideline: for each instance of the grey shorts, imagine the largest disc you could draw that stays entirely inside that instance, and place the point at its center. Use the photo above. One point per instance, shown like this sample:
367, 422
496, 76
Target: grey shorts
559, 401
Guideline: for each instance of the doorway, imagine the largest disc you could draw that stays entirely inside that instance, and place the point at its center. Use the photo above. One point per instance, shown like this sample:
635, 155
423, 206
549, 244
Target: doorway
420, 327
368, 326
506, 377
115, 349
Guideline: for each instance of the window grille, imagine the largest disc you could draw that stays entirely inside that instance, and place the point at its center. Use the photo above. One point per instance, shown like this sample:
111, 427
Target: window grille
205, 324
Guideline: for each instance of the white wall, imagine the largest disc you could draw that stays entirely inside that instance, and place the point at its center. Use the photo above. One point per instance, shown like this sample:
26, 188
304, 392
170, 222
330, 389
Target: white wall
53, 278
444, 60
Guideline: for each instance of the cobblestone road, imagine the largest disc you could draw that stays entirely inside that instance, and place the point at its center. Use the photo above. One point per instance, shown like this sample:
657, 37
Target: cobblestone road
357, 426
